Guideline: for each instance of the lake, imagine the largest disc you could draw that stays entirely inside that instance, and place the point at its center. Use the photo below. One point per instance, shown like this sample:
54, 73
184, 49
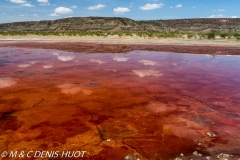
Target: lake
135, 105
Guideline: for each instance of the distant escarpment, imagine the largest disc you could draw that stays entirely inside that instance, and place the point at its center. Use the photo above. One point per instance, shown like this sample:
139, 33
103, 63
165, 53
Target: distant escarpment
115, 24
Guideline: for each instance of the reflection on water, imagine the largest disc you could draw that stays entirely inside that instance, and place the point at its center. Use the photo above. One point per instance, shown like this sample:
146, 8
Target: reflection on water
147, 72
7, 82
138, 105
120, 59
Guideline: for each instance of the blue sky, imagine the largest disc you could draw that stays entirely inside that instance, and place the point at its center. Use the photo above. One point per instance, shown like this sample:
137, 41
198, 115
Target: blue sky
34, 10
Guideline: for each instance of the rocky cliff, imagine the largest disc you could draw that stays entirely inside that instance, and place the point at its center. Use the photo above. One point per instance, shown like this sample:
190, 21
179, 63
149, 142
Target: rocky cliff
115, 24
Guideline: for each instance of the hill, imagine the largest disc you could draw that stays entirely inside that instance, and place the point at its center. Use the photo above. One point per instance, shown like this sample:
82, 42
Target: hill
115, 24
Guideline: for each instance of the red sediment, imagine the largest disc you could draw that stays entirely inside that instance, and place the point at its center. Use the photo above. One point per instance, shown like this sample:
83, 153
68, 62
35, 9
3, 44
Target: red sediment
123, 48
112, 112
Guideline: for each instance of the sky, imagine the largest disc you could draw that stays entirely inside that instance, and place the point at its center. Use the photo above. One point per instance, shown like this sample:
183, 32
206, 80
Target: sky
35, 10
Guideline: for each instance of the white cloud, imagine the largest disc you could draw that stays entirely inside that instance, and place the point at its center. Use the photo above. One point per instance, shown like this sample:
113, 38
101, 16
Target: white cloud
73, 6
54, 14
99, 6
131, 5
22, 2
219, 10
18, 1
42, 1
63, 10
35, 15
44, 4
220, 16
121, 10
178, 6
216, 16
171, 7
21, 15
151, 6
27, 5
194, 7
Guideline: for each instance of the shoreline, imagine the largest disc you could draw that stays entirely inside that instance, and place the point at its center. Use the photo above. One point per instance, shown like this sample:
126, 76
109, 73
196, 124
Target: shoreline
114, 39
115, 44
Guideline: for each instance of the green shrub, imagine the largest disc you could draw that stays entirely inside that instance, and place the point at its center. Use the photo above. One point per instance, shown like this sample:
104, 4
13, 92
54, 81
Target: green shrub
140, 34
223, 35
150, 34
159, 35
236, 35
169, 35
238, 38
120, 34
190, 35
211, 35
128, 33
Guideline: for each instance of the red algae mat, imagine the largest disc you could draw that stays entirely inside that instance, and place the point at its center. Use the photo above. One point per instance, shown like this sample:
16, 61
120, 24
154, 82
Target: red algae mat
139, 105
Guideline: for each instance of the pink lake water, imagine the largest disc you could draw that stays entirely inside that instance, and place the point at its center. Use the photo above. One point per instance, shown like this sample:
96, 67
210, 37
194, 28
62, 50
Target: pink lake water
136, 105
